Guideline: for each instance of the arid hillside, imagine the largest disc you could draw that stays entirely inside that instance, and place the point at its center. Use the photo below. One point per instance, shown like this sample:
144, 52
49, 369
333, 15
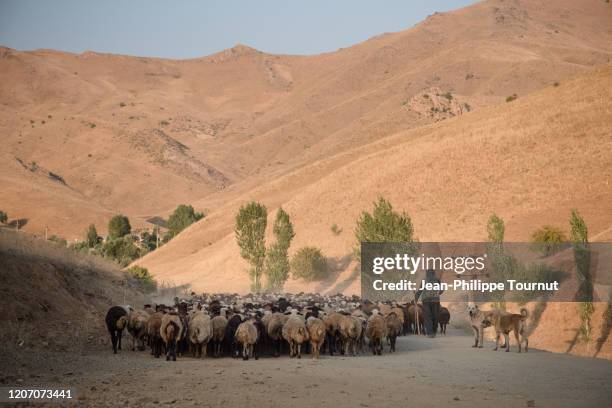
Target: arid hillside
530, 161
54, 299
89, 135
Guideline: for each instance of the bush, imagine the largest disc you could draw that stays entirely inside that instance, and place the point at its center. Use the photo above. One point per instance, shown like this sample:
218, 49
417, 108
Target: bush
58, 240
495, 229
336, 230
182, 217
548, 240
511, 98
119, 226
3, 217
122, 250
141, 277
309, 264
91, 237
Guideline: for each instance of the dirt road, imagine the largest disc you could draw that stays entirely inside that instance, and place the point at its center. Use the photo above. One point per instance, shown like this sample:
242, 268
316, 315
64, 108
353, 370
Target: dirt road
422, 373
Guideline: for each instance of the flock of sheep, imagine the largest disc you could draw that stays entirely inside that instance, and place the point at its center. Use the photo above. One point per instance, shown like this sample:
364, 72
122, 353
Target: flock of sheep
255, 325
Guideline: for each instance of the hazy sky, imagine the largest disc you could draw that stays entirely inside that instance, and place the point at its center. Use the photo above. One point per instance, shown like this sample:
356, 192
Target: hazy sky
188, 28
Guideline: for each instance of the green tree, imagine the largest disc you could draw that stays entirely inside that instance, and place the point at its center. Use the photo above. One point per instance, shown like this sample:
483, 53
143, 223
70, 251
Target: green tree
547, 240
277, 258
496, 229
582, 257
502, 266
182, 217
3, 217
122, 250
119, 226
384, 224
309, 264
250, 229
91, 237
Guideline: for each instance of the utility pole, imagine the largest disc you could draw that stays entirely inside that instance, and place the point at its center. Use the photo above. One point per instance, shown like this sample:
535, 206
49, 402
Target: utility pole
17, 224
46, 232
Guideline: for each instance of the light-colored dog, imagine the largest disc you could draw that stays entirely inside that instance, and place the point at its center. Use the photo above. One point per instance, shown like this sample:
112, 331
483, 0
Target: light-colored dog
506, 322
480, 320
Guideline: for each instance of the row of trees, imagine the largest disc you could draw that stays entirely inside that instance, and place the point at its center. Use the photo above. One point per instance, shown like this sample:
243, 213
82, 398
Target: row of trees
308, 263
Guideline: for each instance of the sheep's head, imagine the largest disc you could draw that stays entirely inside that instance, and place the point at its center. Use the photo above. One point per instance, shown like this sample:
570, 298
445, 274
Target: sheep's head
121, 322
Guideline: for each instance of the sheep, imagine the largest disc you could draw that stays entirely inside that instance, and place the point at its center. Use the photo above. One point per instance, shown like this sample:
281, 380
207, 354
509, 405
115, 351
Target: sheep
246, 336
137, 327
154, 333
171, 331
331, 326
349, 328
295, 333
376, 332
394, 328
443, 319
230, 331
200, 332
219, 325
274, 330
316, 333
415, 311
116, 320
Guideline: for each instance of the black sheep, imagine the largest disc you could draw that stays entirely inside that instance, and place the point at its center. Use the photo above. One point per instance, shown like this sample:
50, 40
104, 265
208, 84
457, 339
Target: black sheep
230, 332
116, 320
443, 319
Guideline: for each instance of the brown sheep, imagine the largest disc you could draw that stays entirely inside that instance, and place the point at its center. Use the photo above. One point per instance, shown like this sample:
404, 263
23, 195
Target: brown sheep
219, 325
349, 328
246, 336
295, 333
154, 333
137, 327
171, 330
443, 319
200, 332
413, 311
275, 325
332, 336
394, 329
376, 332
316, 333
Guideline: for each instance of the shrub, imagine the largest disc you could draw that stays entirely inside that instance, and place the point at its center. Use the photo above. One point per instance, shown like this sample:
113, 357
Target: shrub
335, 229
58, 240
547, 240
182, 217
91, 237
122, 250
119, 226
142, 278
122, 104
164, 123
309, 264
511, 98
3, 217
250, 231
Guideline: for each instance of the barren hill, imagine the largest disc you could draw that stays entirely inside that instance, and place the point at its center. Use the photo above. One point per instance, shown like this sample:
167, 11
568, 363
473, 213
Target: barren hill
530, 161
89, 135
